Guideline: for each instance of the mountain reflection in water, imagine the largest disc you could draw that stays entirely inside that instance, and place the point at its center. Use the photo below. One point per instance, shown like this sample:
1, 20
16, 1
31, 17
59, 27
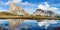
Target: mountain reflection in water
32, 25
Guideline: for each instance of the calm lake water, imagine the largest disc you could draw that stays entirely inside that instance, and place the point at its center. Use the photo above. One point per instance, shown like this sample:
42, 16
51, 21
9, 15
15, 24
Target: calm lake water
30, 25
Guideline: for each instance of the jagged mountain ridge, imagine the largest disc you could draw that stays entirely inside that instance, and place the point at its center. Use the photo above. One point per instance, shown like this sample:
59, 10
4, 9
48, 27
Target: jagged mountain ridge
44, 13
16, 9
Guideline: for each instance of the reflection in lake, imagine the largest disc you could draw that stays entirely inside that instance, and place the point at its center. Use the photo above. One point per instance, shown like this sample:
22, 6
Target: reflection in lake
32, 25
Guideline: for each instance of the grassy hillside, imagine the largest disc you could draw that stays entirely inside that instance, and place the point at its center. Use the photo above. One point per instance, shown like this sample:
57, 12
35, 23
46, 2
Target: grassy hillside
6, 14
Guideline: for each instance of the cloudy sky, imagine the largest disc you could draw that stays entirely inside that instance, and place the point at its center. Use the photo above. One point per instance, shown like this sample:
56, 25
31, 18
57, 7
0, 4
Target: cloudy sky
32, 5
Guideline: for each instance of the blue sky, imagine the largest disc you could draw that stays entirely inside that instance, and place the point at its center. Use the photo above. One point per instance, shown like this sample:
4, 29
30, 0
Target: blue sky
29, 5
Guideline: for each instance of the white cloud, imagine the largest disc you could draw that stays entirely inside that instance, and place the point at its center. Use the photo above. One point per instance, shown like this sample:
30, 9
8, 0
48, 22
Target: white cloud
16, 1
1, 2
47, 5
6, 3
40, 6
27, 4
44, 7
9, 1
29, 7
24, 3
47, 23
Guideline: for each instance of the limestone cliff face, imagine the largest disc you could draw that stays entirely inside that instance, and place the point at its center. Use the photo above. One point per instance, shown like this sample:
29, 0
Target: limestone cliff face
17, 10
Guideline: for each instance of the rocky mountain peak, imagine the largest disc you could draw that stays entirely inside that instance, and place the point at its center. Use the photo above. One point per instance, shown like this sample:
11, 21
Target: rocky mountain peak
16, 9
